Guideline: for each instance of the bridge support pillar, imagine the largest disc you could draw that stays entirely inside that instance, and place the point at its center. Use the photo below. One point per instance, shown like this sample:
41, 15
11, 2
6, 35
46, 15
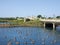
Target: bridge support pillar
53, 26
24, 19
44, 24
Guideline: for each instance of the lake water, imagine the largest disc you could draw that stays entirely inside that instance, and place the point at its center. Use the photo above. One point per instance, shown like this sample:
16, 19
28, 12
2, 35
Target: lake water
29, 36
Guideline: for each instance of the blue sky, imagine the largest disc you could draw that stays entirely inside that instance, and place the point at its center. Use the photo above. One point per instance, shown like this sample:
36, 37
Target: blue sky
23, 8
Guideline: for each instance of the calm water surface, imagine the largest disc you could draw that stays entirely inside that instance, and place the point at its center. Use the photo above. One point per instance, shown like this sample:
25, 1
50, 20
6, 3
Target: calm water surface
29, 36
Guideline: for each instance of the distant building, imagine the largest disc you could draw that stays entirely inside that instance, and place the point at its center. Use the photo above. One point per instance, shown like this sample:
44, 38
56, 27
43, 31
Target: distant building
32, 17
20, 18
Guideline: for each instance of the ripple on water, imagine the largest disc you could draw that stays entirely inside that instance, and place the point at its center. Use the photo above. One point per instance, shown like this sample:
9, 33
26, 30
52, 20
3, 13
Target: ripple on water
28, 35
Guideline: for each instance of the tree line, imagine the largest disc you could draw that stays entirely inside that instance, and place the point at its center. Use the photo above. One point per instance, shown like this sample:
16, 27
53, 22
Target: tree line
40, 16
7, 18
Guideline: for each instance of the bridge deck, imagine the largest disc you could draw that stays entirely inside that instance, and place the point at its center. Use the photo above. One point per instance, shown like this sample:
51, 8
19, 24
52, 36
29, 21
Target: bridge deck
50, 20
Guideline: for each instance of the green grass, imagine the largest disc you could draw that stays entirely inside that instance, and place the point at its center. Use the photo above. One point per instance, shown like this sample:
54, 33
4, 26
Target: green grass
27, 23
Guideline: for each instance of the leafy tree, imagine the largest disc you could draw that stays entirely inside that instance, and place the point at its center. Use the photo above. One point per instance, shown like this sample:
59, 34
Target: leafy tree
58, 17
27, 19
39, 16
49, 17
17, 17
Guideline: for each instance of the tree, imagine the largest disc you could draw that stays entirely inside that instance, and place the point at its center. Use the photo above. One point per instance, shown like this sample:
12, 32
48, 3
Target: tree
17, 17
27, 19
58, 17
39, 16
50, 18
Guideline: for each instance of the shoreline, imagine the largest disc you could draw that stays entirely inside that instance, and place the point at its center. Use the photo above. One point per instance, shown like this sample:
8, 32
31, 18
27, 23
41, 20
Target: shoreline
15, 25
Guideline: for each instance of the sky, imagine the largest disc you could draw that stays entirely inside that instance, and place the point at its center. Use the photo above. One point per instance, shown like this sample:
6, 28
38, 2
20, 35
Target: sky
23, 8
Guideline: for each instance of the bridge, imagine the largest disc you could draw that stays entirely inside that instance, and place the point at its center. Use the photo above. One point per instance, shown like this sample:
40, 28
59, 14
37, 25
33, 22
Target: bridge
49, 22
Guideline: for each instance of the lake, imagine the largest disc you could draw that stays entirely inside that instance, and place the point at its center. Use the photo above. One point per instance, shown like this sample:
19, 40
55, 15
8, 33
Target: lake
29, 36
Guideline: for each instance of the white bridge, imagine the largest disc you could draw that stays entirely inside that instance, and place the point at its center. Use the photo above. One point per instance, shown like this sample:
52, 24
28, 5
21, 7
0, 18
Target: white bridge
50, 20
54, 22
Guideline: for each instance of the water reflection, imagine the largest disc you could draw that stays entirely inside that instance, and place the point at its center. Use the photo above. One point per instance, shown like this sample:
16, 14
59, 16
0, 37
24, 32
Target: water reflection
54, 34
29, 36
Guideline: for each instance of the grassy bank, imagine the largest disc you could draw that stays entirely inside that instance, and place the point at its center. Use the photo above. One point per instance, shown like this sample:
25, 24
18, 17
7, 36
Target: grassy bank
27, 23
31, 23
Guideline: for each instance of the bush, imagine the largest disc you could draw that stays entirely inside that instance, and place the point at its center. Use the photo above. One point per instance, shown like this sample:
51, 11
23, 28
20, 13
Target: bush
27, 19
